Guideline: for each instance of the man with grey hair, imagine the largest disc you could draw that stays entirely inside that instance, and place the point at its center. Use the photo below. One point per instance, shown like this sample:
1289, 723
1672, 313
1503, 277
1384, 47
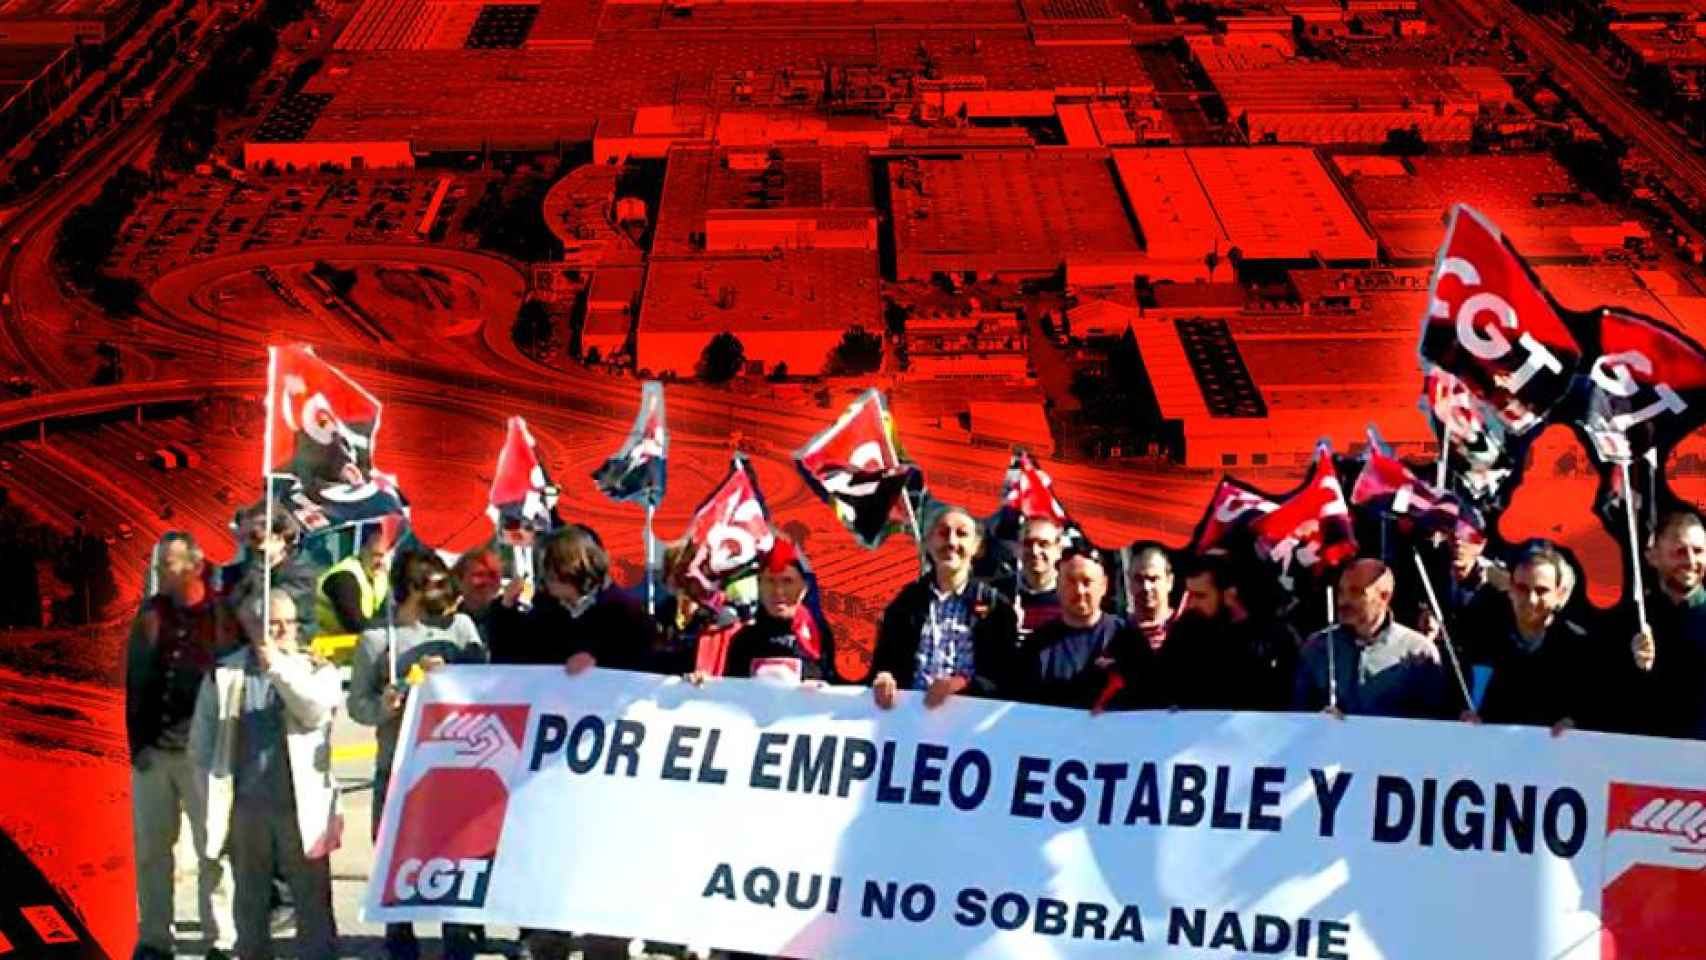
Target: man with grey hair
1368, 663
945, 633
171, 649
261, 739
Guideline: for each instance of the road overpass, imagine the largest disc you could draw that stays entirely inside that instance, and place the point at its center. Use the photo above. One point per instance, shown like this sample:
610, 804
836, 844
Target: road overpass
37, 411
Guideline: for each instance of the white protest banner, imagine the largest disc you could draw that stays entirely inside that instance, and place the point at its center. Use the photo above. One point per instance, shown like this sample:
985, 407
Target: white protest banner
808, 823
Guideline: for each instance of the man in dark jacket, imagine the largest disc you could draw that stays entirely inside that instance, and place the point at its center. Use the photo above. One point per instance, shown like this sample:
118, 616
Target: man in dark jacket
1074, 661
172, 647
1543, 665
945, 633
1033, 583
1221, 655
1667, 696
579, 618
784, 640
1368, 663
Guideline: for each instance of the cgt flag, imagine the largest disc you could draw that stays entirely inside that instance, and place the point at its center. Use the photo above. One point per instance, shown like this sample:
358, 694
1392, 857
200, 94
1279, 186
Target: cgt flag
320, 436
1646, 388
1233, 507
1388, 487
1490, 324
855, 466
638, 471
1311, 528
1482, 455
523, 500
729, 531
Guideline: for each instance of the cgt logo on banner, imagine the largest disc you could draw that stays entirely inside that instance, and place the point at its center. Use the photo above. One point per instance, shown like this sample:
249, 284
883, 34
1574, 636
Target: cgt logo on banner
451, 802
1655, 871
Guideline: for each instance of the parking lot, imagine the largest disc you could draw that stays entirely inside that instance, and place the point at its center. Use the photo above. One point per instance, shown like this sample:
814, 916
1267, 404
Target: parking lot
207, 216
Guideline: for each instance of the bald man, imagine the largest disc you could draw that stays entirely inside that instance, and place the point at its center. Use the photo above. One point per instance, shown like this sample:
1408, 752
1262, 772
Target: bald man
1368, 663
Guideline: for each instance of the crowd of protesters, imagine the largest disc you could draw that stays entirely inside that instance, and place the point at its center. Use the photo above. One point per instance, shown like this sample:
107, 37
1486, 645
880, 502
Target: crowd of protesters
229, 712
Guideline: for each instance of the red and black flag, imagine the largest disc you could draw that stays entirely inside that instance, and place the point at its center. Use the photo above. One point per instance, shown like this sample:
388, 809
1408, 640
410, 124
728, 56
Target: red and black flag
1646, 388
523, 500
1028, 491
856, 467
729, 532
1312, 527
1387, 486
1482, 456
639, 470
1491, 325
321, 431
1232, 508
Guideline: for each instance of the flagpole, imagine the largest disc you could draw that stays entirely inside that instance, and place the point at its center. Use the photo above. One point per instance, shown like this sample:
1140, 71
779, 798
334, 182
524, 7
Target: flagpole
651, 607
266, 484
1332, 660
1444, 454
917, 532
1652, 458
1634, 545
1444, 633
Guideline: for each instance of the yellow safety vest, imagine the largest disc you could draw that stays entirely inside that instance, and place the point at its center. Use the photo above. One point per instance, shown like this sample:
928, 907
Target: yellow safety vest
372, 594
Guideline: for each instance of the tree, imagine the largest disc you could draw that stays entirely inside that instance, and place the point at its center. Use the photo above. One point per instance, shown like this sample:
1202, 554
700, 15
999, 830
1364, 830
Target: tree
779, 372
1211, 260
894, 318
858, 353
532, 330
723, 358
1404, 143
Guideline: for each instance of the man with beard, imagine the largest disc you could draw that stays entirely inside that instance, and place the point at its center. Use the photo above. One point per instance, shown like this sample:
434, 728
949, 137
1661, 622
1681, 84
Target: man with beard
945, 633
1543, 668
784, 640
269, 559
427, 634
1223, 654
1074, 661
352, 591
1667, 696
1368, 663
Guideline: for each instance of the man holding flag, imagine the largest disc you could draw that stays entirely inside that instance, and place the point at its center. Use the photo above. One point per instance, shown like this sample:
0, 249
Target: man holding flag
1368, 663
1031, 514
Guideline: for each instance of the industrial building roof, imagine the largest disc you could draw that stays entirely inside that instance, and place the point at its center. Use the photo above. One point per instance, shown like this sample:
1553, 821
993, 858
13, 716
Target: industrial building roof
783, 291
1272, 203
802, 178
1042, 205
